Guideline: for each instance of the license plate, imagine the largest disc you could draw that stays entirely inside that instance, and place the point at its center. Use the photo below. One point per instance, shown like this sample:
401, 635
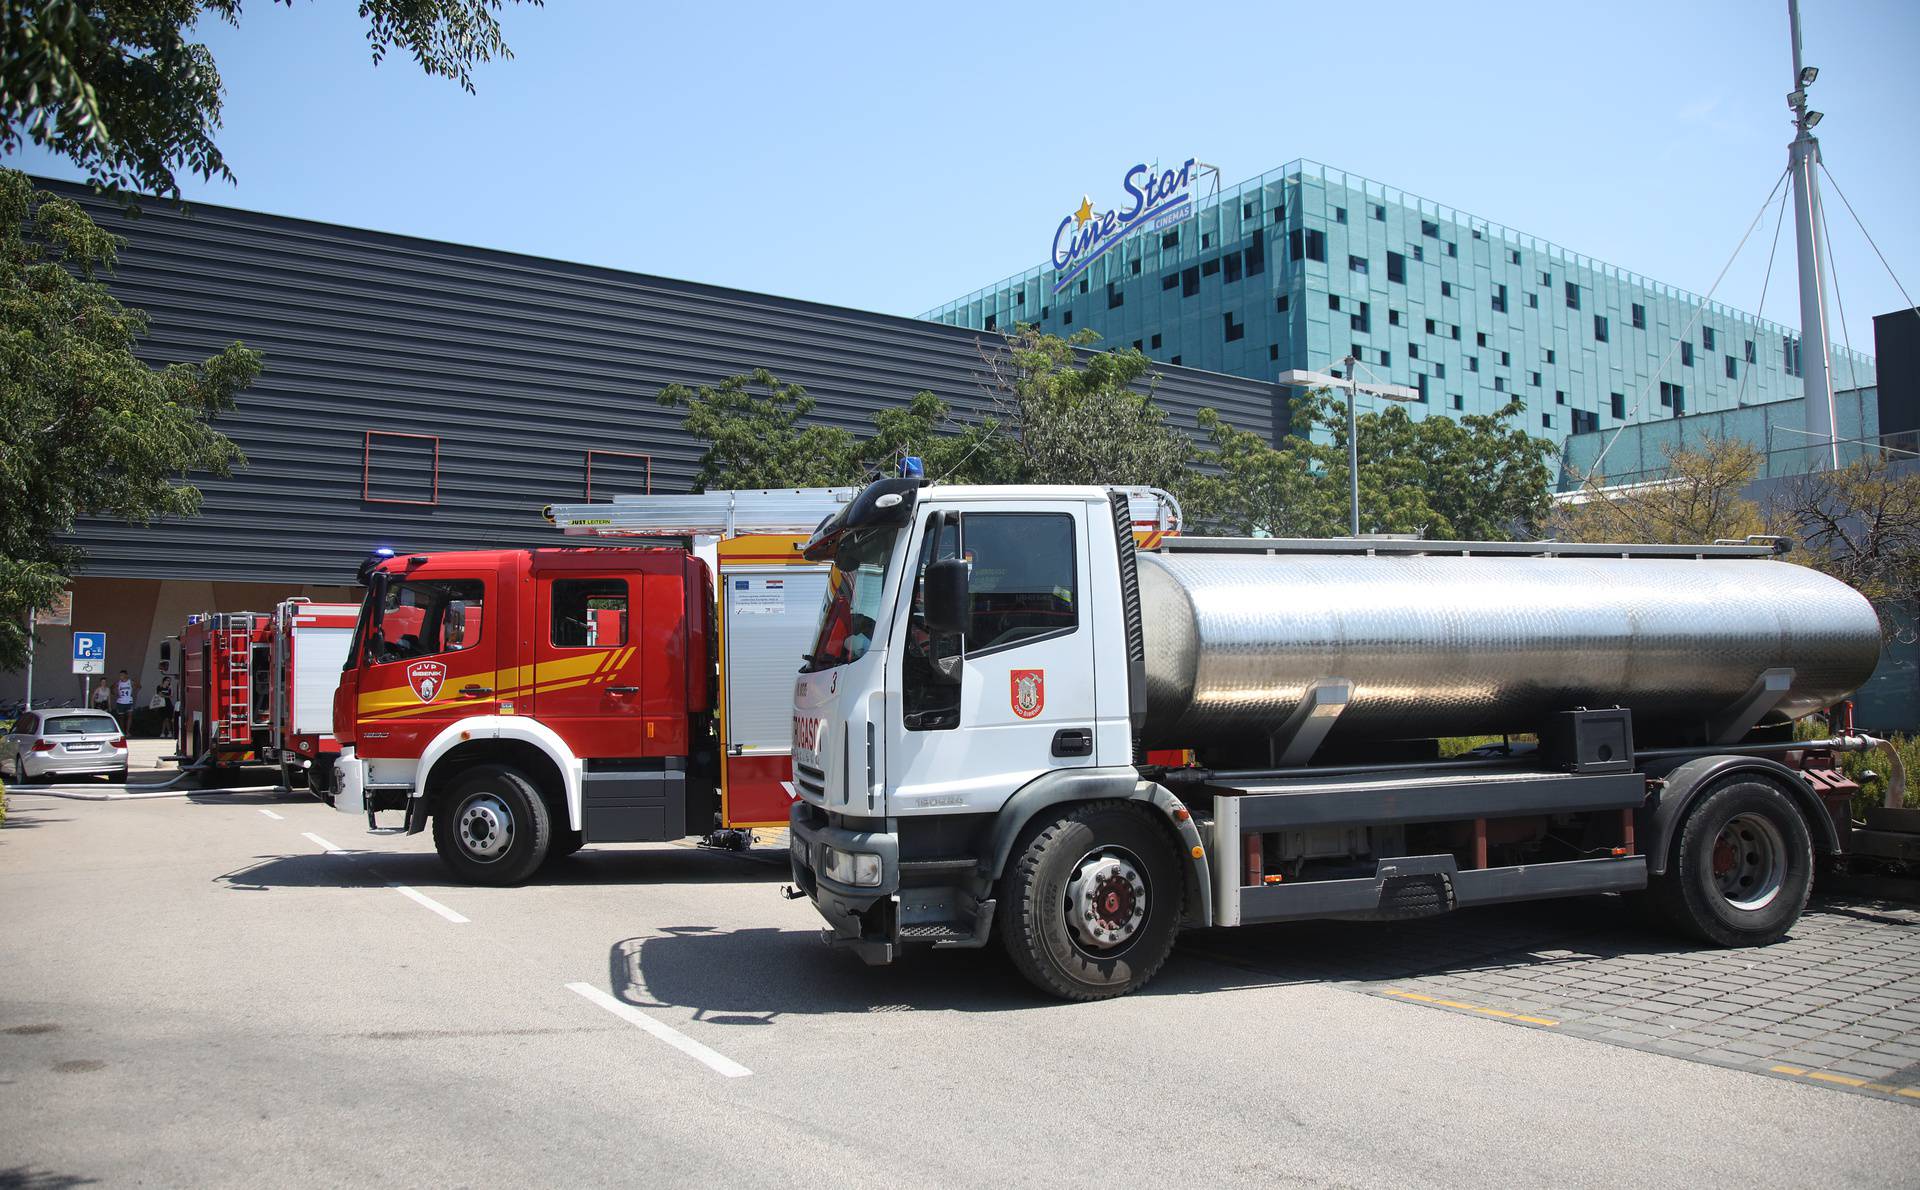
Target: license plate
83, 747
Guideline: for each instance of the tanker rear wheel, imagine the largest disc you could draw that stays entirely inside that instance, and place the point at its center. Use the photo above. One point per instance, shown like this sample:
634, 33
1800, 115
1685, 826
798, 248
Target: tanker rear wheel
1742, 867
1089, 908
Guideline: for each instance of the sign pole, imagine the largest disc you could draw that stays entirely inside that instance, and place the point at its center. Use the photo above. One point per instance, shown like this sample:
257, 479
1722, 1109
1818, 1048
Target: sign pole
32, 625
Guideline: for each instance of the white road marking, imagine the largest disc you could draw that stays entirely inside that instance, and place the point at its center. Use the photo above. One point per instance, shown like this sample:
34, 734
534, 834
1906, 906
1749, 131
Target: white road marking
325, 846
718, 1063
272, 815
429, 902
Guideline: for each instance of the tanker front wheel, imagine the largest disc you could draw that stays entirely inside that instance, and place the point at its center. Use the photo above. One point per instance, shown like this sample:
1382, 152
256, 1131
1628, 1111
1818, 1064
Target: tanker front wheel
1742, 867
1089, 908
491, 826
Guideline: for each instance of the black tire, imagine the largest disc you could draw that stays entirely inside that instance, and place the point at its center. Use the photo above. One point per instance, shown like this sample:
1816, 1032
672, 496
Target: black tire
1033, 911
492, 826
117, 777
1741, 867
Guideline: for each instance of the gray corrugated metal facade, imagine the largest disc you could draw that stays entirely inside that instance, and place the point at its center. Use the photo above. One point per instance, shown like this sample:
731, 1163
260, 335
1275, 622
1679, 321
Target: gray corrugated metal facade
518, 366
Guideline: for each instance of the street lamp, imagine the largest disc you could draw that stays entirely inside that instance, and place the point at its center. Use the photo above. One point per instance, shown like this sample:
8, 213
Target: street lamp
1301, 378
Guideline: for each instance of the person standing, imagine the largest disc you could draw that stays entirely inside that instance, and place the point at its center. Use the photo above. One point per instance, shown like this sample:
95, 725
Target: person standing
124, 689
169, 708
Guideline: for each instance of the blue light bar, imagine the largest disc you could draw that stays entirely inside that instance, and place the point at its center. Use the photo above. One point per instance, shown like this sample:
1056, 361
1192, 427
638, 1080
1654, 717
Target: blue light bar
913, 467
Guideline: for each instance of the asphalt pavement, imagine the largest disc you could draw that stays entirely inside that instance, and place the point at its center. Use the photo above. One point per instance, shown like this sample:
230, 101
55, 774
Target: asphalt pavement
247, 989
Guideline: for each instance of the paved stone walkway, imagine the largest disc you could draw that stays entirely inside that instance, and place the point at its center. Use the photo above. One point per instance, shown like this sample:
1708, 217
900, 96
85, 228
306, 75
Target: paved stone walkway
1837, 1002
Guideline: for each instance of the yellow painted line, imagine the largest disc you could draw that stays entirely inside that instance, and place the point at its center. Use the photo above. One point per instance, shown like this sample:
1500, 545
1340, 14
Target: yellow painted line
1493, 1012
1847, 1080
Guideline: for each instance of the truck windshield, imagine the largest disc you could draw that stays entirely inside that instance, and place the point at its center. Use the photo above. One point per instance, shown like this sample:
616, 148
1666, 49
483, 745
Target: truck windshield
853, 599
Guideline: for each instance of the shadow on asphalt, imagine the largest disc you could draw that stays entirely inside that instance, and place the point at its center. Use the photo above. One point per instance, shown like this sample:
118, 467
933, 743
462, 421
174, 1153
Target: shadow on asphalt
252, 797
373, 869
26, 1177
23, 817
755, 976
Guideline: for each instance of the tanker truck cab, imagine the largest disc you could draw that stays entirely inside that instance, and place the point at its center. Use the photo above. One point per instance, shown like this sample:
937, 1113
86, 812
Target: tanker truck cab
972, 658
1014, 725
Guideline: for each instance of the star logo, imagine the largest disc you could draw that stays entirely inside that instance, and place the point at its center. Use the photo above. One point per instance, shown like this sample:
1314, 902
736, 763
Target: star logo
1085, 212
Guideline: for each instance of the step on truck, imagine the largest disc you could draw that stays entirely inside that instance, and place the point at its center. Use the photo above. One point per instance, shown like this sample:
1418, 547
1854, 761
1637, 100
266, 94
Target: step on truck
256, 688
1018, 720
526, 702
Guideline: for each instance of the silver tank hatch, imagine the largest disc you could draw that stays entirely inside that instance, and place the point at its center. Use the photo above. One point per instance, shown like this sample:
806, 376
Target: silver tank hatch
1459, 643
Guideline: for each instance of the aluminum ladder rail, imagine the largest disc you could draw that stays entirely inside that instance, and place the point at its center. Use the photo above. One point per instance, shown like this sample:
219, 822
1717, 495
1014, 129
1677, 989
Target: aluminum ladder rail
236, 725
774, 510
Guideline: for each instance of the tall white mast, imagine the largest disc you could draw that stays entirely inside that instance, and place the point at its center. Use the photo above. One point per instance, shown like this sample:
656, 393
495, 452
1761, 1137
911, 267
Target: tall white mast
1803, 155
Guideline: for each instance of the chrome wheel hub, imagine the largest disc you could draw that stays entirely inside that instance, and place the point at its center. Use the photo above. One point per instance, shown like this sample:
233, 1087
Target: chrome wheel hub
1106, 899
486, 827
1749, 861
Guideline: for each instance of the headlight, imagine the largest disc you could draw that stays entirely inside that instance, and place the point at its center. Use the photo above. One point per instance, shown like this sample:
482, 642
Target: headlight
850, 867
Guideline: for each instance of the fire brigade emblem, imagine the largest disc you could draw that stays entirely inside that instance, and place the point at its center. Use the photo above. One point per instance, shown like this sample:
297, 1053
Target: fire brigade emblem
1029, 692
426, 678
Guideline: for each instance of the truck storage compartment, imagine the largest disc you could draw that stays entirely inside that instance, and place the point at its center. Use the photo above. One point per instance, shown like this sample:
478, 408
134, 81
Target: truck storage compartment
635, 804
1307, 818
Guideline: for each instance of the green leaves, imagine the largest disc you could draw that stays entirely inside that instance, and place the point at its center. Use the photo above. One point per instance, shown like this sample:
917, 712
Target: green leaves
115, 86
1479, 478
86, 429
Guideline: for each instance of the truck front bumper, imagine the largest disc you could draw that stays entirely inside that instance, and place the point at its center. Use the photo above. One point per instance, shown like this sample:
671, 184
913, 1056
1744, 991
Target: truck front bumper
862, 918
350, 783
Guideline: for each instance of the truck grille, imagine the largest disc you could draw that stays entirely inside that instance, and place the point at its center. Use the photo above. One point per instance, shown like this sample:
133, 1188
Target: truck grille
810, 779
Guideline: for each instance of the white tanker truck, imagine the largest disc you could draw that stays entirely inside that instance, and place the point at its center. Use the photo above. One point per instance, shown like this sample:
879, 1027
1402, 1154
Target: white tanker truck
1015, 721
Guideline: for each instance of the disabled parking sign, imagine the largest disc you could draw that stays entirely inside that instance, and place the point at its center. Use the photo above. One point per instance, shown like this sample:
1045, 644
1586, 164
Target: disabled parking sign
89, 652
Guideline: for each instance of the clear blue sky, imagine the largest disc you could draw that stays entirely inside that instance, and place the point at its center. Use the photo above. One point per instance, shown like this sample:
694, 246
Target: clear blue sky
893, 156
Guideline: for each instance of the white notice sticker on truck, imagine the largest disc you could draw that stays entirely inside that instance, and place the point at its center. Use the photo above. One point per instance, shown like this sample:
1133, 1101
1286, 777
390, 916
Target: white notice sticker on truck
760, 596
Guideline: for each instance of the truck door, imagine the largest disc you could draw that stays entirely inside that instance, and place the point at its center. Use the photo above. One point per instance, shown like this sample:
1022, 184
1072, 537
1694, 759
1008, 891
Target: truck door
587, 661
429, 662
1023, 703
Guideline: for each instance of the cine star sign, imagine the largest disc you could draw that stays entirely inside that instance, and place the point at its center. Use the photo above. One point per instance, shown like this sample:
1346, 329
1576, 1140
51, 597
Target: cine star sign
1154, 200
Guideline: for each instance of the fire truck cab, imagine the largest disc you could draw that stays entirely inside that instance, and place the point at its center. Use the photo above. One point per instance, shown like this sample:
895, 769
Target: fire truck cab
527, 702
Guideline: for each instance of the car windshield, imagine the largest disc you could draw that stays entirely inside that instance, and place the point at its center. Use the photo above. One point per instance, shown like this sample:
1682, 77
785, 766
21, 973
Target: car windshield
79, 725
853, 599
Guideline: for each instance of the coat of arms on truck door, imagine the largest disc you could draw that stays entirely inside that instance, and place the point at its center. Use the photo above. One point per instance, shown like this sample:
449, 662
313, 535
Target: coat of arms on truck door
426, 678
1029, 692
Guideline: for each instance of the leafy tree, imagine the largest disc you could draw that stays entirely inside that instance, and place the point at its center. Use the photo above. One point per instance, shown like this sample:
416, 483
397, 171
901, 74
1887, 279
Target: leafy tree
953, 451
1477, 478
89, 430
752, 427
1861, 524
1698, 500
1073, 422
118, 88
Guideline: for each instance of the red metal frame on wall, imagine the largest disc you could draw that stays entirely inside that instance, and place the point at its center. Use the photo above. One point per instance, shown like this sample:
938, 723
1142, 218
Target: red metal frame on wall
618, 454
366, 468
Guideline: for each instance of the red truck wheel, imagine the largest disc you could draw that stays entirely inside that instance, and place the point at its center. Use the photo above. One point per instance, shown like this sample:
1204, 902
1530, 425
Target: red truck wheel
492, 826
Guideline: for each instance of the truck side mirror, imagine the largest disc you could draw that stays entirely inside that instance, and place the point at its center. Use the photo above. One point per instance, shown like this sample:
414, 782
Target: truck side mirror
454, 631
944, 595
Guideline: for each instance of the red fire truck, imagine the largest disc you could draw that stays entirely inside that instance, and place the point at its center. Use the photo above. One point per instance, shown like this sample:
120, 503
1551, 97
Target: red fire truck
257, 688
527, 702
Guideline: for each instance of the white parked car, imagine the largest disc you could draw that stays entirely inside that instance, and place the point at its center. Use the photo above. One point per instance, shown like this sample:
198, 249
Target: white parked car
70, 742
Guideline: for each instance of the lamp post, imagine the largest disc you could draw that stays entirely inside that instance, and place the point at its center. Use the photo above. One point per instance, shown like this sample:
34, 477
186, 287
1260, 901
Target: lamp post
1301, 378
1810, 241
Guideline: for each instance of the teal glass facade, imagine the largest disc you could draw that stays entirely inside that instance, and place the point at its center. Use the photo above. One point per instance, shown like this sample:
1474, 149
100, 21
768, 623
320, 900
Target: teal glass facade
1302, 265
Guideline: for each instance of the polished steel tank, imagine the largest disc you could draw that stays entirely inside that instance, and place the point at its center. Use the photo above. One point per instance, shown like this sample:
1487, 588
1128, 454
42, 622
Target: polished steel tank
1459, 644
